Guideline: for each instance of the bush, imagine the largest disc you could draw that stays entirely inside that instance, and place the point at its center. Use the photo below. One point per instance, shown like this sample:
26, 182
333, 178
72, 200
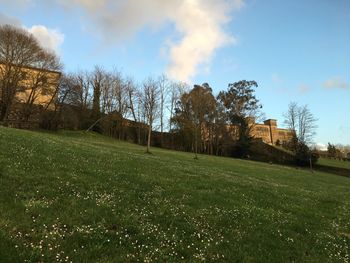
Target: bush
303, 155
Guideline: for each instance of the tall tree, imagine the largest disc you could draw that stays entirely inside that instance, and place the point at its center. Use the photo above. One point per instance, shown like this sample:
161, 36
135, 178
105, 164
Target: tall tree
176, 90
332, 150
303, 123
193, 113
121, 98
40, 86
150, 101
64, 91
134, 97
164, 86
300, 120
240, 104
97, 79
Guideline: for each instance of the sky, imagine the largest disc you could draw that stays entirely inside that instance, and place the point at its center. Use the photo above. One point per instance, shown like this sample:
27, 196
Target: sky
295, 50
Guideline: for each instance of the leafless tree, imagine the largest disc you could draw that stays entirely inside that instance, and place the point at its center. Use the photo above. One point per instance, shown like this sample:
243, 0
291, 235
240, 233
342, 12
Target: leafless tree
291, 116
134, 104
20, 50
97, 79
83, 89
65, 89
121, 96
150, 102
41, 83
164, 88
301, 121
107, 94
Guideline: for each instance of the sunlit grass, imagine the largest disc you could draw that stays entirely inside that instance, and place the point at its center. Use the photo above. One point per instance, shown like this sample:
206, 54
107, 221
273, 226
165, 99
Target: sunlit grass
72, 196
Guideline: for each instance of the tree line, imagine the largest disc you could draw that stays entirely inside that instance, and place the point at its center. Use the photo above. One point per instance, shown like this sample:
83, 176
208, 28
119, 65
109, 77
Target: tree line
107, 101
202, 121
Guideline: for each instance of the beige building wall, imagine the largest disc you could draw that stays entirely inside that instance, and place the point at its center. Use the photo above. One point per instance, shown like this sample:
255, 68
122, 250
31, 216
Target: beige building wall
270, 133
42, 84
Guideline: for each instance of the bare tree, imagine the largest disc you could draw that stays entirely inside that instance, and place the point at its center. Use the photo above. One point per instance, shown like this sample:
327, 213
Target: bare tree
164, 87
307, 125
19, 50
301, 121
150, 101
134, 104
107, 94
64, 90
41, 86
83, 88
291, 116
97, 78
132, 94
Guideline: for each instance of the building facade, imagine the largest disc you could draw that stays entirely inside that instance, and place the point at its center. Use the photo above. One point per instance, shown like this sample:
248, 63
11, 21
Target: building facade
36, 89
269, 133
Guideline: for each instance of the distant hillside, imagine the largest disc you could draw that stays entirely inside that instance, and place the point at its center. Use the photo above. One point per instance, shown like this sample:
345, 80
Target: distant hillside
72, 196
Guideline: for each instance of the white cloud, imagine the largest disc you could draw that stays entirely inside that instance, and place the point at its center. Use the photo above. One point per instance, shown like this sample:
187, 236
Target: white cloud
50, 39
198, 23
320, 146
303, 88
199, 26
336, 83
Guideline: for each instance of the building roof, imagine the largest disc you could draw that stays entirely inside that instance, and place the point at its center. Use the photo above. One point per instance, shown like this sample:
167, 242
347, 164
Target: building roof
33, 68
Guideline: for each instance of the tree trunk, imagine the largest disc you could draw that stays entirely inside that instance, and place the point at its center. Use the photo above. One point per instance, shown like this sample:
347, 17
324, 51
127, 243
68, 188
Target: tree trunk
149, 138
196, 143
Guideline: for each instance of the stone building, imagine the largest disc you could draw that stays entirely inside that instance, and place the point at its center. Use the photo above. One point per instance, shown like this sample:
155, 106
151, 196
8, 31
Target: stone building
269, 133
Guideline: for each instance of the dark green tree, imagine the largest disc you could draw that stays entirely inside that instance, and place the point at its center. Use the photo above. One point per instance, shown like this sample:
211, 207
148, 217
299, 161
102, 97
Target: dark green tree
240, 105
332, 150
304, 156
194, 115
97, 79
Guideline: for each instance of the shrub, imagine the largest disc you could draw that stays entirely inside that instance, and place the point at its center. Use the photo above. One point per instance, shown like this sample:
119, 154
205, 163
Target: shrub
303, 155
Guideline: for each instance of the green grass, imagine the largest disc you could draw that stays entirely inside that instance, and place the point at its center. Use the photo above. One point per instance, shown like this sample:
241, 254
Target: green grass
78, 197
334, 163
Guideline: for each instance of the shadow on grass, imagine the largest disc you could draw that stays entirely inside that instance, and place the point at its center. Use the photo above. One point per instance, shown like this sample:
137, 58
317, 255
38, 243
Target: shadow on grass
333, 170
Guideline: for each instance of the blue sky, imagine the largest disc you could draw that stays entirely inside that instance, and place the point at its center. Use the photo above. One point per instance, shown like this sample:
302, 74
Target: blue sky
296, 50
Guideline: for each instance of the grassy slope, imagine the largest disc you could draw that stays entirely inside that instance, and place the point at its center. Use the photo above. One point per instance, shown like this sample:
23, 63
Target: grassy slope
334, 163
93, 199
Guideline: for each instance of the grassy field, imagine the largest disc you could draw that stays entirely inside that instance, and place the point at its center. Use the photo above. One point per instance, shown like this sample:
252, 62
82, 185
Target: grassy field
334, 163
78, 197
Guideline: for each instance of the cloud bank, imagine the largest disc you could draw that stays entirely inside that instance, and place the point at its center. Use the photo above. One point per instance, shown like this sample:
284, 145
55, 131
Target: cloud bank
199, 25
